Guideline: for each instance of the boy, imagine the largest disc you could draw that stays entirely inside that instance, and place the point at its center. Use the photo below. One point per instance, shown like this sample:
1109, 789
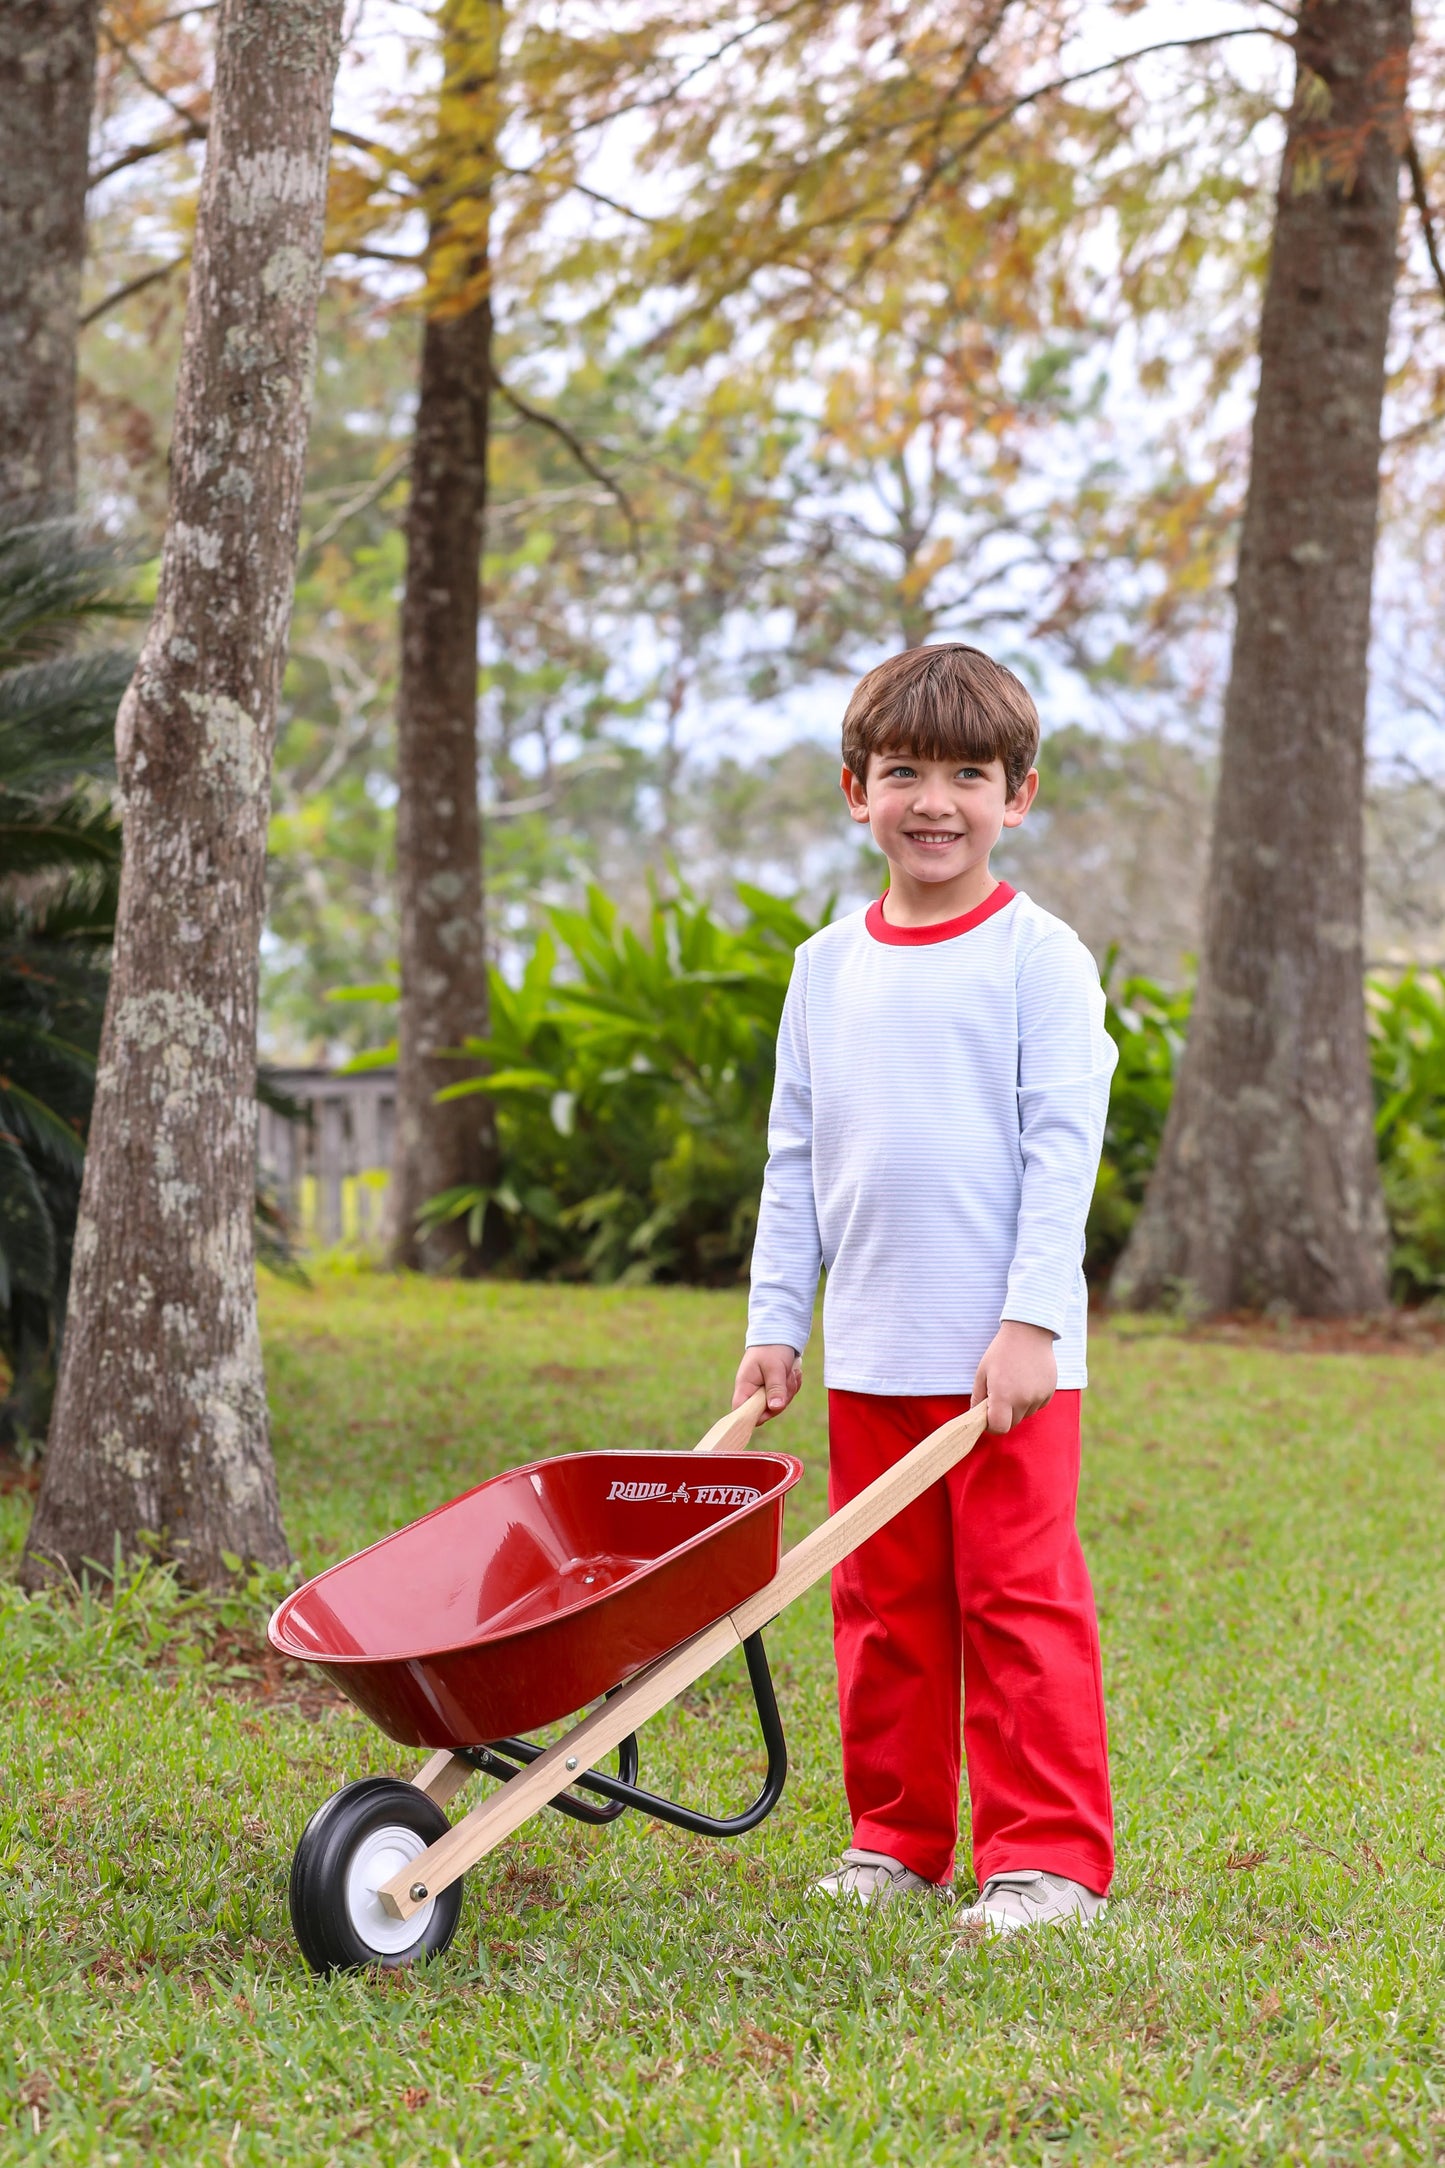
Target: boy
942, 1081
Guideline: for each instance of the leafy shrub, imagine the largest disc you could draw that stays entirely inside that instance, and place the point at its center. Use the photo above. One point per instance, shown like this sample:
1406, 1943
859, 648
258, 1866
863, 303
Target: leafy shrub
632, 1078
1407, 1054
1147, 1023
632, 1074
632, 1090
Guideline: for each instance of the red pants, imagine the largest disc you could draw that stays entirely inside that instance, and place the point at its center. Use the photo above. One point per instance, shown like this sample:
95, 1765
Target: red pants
984, 1567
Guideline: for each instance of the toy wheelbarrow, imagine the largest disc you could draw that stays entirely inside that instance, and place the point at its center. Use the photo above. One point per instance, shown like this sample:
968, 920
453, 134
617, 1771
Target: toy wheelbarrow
614, 1578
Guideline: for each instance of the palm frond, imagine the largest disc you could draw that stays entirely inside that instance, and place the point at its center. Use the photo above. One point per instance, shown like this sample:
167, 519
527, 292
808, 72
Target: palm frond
51, 1071
41, 1131
75, 909
60, 987
27, 1232
57, 718
53, 583
60, 852
67, 837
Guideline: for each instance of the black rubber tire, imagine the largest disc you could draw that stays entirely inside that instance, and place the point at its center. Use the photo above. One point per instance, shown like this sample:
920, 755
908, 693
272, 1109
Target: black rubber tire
328, 1936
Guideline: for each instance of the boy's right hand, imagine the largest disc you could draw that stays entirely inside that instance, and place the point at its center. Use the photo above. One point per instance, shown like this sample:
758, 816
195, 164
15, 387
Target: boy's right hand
778, 1370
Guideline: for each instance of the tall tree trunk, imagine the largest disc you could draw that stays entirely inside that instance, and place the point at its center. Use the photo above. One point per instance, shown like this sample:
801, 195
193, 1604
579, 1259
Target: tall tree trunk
47, 82
438, 836
160, 1424
1267, 1190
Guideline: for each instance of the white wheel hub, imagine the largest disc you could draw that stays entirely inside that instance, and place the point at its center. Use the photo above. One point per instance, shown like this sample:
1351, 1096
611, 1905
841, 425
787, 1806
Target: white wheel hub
380, 1854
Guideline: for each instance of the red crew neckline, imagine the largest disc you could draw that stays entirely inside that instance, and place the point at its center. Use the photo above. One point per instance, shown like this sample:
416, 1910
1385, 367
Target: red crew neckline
948, 929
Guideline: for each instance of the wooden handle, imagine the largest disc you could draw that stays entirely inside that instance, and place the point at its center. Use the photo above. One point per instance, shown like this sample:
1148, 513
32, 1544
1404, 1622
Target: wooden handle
519, 1799
840, 1535
730, 1433
472, 1838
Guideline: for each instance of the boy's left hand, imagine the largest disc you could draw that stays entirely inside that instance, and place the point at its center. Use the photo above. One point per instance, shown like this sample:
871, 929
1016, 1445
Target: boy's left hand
1018, 1373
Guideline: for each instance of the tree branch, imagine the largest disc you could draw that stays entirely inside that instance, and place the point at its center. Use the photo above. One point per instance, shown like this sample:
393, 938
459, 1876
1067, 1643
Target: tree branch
998, 117
193, 132
608, 203
134, 286
119, 45
361, 502
1422, 204
1416, 432
381, 255
197, 130
360, 142
579, 452
1014, 106
667, 95
179, 15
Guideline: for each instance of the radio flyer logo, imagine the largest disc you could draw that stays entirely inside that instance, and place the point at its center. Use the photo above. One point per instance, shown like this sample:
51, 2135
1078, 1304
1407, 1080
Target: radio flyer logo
697, 1494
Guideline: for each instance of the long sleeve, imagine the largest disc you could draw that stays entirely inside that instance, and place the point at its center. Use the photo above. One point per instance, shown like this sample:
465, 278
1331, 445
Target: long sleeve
1066, 1059
787, 1253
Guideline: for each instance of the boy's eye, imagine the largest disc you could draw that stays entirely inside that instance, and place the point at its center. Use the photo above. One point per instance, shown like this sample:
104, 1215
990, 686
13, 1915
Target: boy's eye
901, 772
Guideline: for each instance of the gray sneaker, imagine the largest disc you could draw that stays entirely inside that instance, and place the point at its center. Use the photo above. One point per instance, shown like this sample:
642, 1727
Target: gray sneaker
1026, 1897
875, 1878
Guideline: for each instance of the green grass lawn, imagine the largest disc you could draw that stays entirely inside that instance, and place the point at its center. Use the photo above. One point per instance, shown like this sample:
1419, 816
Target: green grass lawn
1267, 1534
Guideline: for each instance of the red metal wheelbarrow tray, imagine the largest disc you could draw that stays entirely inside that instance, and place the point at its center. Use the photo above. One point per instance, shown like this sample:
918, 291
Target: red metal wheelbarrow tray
533, 1594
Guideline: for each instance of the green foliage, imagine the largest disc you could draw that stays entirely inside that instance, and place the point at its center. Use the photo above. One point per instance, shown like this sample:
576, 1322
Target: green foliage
632, 1076
1406, 1021
61, 855
632, 1093
1407, 1054
632, 1097
61, 844
1147, 1024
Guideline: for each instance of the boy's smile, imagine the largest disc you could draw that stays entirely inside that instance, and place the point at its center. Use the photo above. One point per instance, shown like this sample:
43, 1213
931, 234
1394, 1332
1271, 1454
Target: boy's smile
936, 822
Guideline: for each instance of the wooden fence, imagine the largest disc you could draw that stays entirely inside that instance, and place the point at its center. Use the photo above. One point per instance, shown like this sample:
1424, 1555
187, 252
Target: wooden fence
331, 1171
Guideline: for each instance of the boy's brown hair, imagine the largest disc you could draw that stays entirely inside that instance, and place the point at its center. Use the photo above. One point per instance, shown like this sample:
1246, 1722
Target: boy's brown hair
948, 702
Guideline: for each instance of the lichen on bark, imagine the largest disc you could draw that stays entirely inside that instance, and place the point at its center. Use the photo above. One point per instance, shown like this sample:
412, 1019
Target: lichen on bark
159, 1433
47, 74
1267, 1190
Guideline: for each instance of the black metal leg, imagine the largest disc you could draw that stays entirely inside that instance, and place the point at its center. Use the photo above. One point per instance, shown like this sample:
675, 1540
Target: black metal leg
522, 1752
622, 1792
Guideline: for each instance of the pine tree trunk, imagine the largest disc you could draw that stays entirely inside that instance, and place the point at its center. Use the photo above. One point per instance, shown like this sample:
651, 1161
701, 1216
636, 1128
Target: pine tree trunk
47, 82
1267, 1191
439, 829
160, 1428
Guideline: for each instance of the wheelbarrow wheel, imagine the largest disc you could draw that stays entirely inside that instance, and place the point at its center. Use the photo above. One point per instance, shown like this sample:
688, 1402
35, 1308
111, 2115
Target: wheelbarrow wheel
360, 1838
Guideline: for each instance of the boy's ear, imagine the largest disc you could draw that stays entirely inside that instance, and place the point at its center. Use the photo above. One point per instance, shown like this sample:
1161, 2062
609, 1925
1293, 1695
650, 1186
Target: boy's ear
1022, 799
855, 794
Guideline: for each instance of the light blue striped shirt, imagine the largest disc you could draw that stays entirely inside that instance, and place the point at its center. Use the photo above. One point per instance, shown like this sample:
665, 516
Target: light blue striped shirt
934, 1139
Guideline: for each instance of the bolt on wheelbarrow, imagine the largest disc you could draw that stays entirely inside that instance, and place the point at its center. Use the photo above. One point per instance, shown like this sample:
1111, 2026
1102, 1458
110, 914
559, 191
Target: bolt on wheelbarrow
615, 1578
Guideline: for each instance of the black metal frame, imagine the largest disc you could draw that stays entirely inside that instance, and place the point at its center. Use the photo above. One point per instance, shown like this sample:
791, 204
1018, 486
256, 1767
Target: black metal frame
523, 1751
622, 1791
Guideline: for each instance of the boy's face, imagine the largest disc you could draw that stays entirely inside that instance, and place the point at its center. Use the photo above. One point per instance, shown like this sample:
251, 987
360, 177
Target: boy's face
936, 820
